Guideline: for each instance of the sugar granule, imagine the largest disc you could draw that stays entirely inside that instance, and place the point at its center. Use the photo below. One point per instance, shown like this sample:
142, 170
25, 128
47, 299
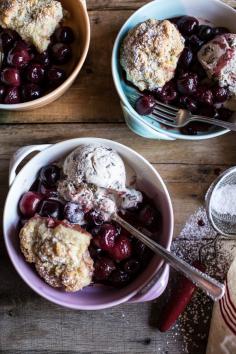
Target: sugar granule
192, 327
224, 200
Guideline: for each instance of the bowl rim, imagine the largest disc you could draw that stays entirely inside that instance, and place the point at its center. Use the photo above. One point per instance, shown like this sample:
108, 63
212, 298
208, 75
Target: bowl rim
111, 303
123, 97
71, 77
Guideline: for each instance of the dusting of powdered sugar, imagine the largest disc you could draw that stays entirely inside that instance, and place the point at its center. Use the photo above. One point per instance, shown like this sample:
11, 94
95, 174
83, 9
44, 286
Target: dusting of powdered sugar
198, 226
195, 241
224, 200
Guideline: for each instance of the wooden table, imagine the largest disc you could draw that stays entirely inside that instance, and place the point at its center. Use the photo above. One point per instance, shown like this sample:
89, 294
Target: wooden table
30, 324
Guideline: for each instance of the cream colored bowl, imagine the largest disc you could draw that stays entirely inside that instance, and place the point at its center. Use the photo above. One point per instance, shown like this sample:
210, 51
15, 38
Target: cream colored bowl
79, 22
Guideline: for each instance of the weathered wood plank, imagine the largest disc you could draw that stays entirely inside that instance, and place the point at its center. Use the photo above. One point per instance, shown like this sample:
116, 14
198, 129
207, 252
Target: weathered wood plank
128, 4
188, 168
30, 324
221, 150
115, 5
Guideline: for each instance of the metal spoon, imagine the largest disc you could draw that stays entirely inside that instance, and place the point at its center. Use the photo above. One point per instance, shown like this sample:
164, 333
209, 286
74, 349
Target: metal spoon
212, 287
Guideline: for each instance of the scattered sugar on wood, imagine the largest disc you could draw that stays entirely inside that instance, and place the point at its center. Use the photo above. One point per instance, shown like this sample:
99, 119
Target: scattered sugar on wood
191, 329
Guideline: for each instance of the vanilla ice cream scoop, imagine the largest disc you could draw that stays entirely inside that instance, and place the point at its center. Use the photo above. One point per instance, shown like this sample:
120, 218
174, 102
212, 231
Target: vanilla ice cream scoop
96, 164
95, 178
218, 57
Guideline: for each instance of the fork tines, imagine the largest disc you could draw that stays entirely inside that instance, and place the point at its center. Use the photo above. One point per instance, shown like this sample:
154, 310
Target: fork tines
164, 113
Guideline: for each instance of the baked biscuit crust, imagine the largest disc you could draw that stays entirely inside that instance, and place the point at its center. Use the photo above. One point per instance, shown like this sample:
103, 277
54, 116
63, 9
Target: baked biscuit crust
34, 20
150, 52
59, 251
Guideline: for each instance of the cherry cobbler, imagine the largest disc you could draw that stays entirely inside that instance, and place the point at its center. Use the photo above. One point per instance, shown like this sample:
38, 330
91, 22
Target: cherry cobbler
35, 47
69, 236
196, 63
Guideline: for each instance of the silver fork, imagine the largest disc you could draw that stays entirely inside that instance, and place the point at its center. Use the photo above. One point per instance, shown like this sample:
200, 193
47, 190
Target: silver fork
177, 118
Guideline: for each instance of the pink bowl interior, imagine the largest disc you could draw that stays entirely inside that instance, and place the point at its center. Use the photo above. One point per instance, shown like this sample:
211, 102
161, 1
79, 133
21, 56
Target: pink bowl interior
97, 296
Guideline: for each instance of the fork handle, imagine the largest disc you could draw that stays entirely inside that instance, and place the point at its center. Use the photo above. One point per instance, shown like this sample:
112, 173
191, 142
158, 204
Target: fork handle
212, 287
220, 123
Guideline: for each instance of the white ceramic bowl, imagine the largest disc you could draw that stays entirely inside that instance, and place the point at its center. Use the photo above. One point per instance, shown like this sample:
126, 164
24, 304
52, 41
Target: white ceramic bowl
213, 11
153, 280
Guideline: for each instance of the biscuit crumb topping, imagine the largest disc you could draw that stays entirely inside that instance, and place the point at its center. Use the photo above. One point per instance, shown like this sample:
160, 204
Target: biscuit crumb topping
34, 20
59, 251
150, 52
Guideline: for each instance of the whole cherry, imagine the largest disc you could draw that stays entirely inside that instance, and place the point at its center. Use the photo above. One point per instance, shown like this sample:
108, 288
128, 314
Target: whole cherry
10, 76
61, 53
29, 203
103, 267
187, 25
12, 95
50, 175
204, 95
55, 76
64, 34
145, 104
51, 208
168, 93
122, 248
35, 73
73, 213
7, 39
220, 94
18, 57
187, 83
105, 239
30, 92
